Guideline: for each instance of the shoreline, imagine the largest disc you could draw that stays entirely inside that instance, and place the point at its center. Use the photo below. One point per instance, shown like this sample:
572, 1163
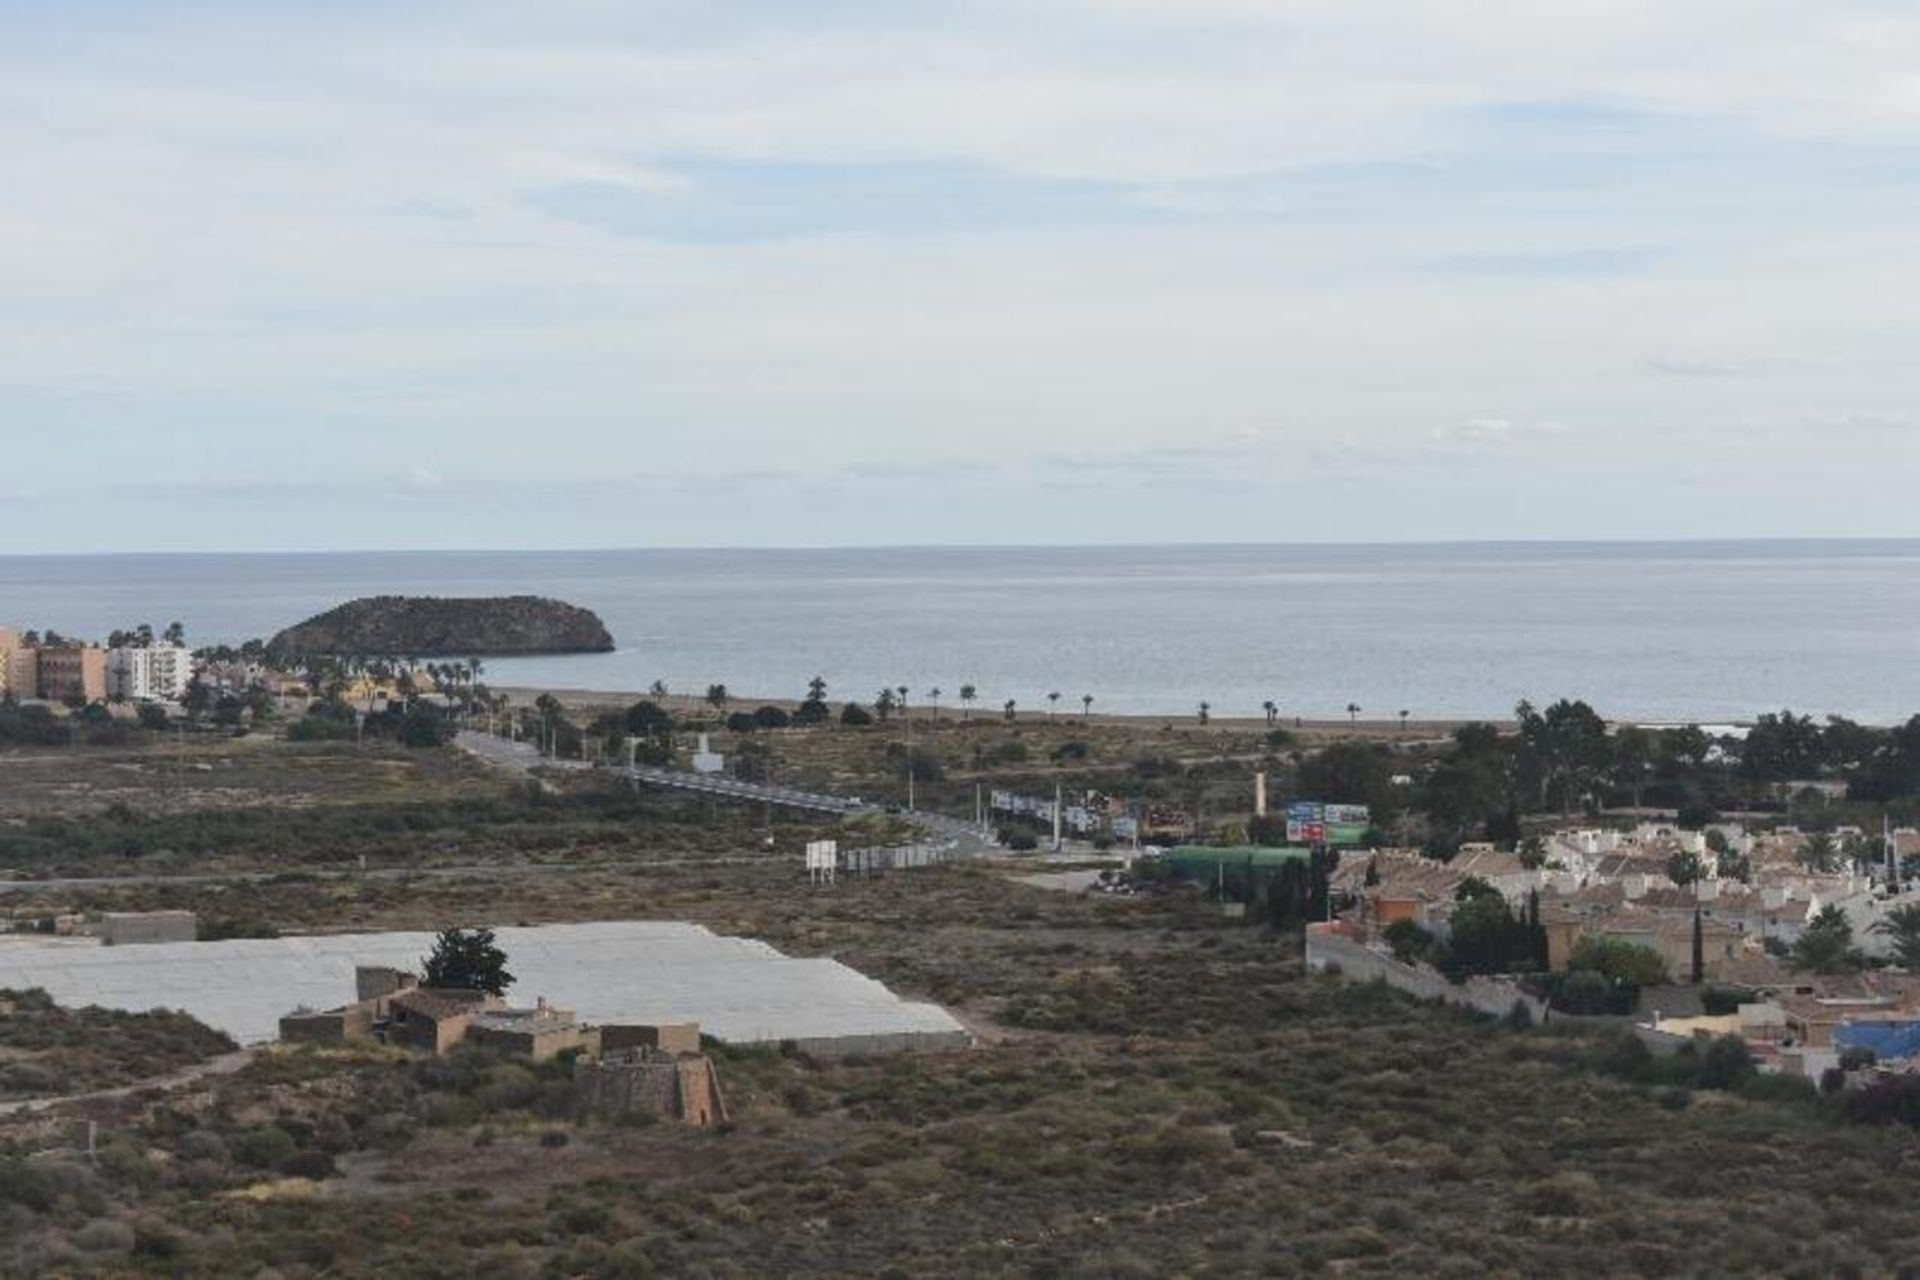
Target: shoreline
951, 713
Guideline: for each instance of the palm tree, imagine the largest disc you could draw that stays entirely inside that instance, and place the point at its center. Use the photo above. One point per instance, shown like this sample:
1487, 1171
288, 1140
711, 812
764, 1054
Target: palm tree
1272, 709
1206, 710
967, 694
1008, 710
1403, 720
933, 700
1086, 706
658, 689
1902, 925
1052, 699
902, 691
1353, 713
1817, 854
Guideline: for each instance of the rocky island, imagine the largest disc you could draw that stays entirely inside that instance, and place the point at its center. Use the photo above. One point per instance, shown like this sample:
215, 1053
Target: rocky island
436, 627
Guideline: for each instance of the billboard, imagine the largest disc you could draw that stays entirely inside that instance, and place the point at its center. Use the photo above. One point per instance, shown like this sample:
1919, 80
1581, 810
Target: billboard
1311, 822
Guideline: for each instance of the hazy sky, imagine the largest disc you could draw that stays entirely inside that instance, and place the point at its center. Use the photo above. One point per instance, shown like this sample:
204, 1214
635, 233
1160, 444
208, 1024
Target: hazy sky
318, 275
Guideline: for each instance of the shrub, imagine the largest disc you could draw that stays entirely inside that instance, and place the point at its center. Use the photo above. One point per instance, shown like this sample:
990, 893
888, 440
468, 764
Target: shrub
26, 1184
104, 1235
855, 716
1584, 992
1726, 1062
317, 1165
266, 1147
1409, 941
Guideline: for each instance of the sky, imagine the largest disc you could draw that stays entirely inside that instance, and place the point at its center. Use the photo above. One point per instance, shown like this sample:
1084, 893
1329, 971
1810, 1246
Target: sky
352, 274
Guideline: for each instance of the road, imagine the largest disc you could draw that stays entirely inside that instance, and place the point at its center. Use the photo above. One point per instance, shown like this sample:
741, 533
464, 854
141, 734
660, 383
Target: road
224, 1065
965, 839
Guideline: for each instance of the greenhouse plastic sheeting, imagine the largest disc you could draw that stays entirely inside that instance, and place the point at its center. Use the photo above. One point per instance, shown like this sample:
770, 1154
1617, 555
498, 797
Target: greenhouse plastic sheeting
635, 971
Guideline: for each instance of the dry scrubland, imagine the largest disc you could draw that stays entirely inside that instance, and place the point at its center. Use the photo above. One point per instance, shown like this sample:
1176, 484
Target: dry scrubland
1165, 1093
1161, 1092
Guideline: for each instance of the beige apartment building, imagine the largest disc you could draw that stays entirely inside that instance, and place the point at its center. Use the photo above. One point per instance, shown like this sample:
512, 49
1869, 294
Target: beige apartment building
19, 667
73, 673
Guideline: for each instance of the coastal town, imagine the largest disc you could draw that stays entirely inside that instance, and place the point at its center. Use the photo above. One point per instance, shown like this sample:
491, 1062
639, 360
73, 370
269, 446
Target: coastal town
245, 891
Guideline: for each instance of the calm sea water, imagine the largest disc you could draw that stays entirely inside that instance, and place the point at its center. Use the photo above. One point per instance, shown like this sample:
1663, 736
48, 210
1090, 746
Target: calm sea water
1667, 631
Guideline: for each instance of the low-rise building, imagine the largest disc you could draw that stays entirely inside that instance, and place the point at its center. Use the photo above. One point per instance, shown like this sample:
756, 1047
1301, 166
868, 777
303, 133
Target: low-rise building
132, 928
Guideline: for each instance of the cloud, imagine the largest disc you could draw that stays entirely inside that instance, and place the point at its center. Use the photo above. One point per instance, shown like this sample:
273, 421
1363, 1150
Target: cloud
1683, 365
1179, 244
1490, 433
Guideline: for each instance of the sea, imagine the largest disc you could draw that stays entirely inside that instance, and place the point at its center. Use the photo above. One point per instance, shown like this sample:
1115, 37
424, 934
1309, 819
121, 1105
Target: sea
1650, 632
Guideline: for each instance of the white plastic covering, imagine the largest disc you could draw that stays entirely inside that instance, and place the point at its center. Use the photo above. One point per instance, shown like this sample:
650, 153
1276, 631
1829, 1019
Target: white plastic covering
738, 989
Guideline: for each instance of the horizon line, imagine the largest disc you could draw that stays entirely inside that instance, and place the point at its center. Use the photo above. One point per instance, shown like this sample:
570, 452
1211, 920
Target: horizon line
1330, 544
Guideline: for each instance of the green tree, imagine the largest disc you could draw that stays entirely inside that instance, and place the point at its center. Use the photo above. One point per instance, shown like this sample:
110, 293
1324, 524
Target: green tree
466, 960
1349, 773
967, 694
1818, 852
1826, 944
1683, 867
1619, 961
813, 708
1699, 950
1564, 751
1410, 943
718, 697
1901, 926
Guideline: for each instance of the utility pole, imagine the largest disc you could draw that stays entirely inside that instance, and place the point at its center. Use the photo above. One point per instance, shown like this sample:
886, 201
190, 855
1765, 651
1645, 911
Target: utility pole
1056, 817
906, 714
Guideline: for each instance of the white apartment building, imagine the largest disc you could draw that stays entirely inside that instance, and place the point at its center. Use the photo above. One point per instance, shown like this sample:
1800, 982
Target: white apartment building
160, 673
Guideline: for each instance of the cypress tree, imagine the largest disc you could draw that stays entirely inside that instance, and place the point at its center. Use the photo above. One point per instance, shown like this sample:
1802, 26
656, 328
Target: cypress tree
1699, 948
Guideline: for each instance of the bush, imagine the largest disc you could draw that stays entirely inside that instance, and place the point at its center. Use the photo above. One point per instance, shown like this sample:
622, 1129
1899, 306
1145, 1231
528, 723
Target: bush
1726, 1062
267, 1147
1020, 840
1720, 1001
855, 716
1584, 992
1409, 941
28, 1185
317, 1165
104, 1235
1005, 751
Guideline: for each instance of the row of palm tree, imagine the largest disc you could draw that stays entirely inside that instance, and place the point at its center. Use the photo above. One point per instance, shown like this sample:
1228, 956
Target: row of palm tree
889, 700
